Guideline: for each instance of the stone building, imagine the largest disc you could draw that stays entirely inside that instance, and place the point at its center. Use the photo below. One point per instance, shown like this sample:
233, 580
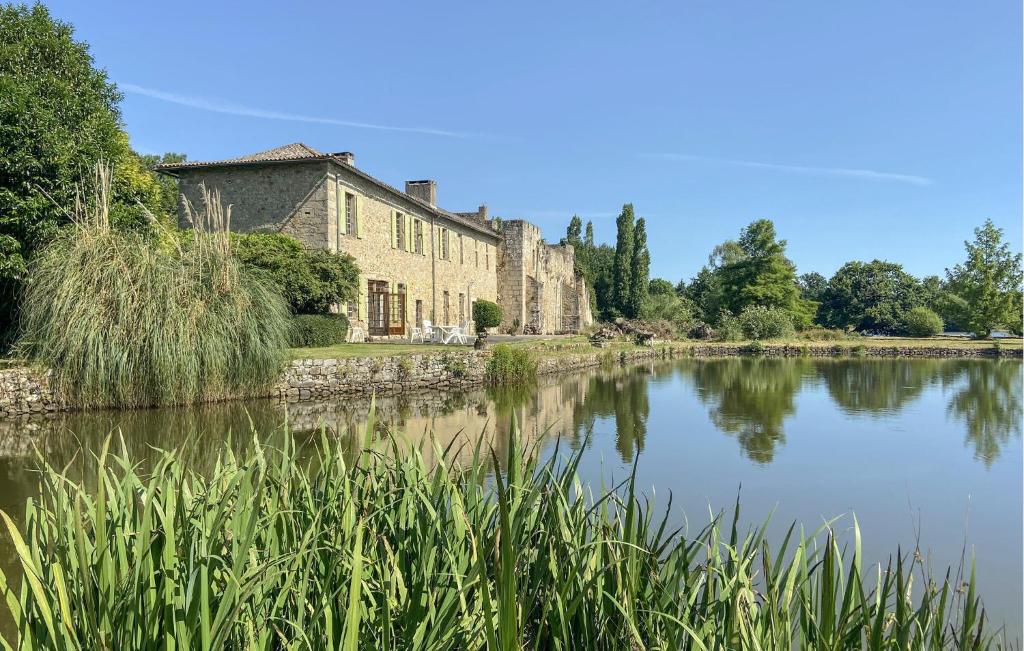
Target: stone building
417, 261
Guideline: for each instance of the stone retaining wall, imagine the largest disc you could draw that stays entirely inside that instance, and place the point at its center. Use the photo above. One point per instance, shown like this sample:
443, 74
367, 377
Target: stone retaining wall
25, 391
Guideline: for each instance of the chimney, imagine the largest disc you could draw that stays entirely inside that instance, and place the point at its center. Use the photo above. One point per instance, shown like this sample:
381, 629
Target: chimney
425, 190
481, 213
346, 157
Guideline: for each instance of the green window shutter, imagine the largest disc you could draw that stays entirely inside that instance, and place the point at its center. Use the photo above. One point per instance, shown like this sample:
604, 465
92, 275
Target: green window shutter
423, 238
394, 232
361, 307
342, 211
408, 233
357, 206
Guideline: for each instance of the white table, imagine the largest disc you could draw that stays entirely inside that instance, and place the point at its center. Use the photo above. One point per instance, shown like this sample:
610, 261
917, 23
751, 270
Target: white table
448, 334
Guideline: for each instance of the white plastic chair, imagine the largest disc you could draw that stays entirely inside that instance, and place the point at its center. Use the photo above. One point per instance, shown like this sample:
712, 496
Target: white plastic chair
427, 333
416, 333
356, 334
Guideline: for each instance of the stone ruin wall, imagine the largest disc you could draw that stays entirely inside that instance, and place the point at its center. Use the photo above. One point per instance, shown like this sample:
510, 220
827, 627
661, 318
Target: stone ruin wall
538, 287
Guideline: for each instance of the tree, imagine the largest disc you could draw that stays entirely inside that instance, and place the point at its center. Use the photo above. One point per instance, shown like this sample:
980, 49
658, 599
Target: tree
574, 232
987, 283
311, 280
622, 268
168, 184
705, 291
659, 286
755, 271
873, 296
59, 116
641, 271
589, 237
812, 286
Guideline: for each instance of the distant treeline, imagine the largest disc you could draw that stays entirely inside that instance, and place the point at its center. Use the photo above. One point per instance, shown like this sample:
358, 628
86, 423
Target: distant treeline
750, 280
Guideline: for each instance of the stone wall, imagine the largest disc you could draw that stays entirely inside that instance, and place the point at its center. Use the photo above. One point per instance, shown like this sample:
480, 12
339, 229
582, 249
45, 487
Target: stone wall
289, 198
538, 286
26, 391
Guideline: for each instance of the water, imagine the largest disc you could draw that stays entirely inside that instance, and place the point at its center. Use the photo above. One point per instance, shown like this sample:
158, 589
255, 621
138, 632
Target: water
926, 450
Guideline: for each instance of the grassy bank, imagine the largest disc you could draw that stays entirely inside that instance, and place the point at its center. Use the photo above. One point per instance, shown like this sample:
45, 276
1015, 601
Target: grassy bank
354, 549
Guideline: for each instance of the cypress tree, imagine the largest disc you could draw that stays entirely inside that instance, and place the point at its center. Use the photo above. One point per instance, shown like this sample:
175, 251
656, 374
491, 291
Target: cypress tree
641, 271
589, 238
622, 269
573, 234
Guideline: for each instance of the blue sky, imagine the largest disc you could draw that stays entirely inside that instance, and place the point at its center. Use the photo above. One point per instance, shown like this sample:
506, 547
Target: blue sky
864, 130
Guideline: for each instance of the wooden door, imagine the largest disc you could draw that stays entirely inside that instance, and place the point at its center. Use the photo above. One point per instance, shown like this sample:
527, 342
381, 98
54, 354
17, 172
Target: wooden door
378, 308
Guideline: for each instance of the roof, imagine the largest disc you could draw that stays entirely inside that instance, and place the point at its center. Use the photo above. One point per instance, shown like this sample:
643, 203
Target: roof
294, 151
300, 152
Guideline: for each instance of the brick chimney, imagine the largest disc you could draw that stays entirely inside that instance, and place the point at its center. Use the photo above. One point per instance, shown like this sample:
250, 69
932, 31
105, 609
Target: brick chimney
346, 157
425, 190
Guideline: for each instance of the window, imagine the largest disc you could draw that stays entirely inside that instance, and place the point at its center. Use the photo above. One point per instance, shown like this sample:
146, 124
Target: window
418, 236
352, 309
444, 244
350, 213
399, 230
445, 312
419, 314
462, 257
487, 257
462, 308
476, 254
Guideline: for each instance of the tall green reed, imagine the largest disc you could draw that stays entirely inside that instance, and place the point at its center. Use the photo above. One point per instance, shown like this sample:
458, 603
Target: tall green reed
130, 319
342, 547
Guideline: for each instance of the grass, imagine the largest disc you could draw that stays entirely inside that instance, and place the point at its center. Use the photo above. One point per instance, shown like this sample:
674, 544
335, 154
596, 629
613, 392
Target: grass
359, 548
127, 320
510, 366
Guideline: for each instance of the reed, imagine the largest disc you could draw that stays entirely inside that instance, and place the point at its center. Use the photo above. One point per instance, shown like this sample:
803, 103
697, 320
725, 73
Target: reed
510, 366
129, 319
342, 548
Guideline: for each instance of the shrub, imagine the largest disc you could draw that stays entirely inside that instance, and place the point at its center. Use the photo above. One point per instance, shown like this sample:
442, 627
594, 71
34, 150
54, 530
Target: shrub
317, 330
922, 322
124, 320
311, 280
729, 328
753, 348
759, 322
510, 365
486, 315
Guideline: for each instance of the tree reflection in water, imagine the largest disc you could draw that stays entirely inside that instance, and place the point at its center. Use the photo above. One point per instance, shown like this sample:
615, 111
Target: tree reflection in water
877, 386
988, 404
751, 398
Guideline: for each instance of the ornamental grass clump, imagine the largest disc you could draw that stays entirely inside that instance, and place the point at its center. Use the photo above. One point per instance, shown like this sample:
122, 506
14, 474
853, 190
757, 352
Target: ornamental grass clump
348, 546
138, 319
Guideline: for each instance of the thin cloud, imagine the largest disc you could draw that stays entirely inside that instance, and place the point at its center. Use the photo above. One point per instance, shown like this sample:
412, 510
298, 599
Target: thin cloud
229, 108
870, 175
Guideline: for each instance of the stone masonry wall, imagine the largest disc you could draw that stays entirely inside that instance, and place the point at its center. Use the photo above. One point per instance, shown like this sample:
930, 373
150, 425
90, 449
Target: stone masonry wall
26, 391
537, 282
290, 198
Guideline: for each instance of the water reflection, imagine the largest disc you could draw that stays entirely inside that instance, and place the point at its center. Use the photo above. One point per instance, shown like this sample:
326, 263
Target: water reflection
989, 405
877, 386
751, 398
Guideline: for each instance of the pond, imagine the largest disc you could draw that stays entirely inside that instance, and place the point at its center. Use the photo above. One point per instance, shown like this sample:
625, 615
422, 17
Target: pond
919, 450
